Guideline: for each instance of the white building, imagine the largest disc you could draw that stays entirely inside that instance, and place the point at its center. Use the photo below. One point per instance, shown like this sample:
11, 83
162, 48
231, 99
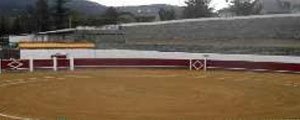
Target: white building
20, 38
279, 6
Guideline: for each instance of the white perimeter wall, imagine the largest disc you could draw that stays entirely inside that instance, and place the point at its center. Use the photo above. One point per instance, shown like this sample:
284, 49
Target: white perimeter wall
21, 38
83, 53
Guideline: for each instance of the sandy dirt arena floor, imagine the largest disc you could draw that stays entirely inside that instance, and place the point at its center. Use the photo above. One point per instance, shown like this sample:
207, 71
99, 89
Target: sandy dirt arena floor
148, 94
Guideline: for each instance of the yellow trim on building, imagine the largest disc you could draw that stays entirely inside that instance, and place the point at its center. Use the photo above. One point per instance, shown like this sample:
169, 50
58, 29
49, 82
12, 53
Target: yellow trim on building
55, 45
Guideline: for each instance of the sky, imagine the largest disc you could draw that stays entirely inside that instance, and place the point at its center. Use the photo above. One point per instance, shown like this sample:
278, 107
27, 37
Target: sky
217, 4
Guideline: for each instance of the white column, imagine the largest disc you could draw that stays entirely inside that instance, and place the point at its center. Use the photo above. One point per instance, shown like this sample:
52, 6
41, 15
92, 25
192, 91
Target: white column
191, 64
31, 66
205, 64
0, 67
72, 66
54, 64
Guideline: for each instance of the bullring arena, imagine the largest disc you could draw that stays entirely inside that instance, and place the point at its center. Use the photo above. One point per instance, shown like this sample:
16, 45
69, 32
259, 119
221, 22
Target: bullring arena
135, 85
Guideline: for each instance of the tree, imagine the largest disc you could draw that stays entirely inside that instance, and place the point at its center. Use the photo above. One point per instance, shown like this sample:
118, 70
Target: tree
245, 7
42, 16
126, 17
17, 27
76, 19
145, 18
197, 8
61, 14
27, 25
111, 16
3, 26
166, 14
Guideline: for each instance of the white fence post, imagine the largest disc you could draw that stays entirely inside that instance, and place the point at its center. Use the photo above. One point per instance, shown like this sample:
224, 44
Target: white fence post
72, 66
31, 66
0, 67
191, 64
54, 64
205, 62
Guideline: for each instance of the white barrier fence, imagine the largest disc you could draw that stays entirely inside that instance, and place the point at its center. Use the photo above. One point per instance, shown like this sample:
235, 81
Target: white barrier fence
69, 63
46, 54
130, 58
18, 65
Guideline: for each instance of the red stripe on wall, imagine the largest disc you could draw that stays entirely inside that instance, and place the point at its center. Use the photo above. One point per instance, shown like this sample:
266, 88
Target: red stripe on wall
5, 64
63, 63
254, 65
48, 63
131, 62
42, 63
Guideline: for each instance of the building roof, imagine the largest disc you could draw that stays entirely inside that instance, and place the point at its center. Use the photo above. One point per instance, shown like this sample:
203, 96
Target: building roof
61, 31
271, 6
293, 2
82, 28
278, 6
